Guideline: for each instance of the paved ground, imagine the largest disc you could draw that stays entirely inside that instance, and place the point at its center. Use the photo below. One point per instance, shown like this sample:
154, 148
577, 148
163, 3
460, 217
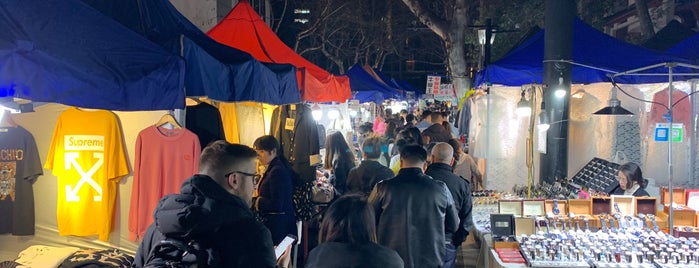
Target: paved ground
468, 255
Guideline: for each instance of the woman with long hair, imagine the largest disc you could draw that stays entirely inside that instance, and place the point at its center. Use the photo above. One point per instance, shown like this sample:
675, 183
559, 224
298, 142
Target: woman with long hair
339, 159
631, 181
276, 188
348, 238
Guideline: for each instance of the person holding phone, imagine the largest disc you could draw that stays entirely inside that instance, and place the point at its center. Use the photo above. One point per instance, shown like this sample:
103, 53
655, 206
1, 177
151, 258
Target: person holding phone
348, 238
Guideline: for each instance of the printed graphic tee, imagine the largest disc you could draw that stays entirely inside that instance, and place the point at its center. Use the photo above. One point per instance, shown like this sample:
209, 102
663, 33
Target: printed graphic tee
165, 158
87, 156
19, 167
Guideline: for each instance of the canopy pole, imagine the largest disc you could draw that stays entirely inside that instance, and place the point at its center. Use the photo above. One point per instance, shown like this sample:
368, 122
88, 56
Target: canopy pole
669, 153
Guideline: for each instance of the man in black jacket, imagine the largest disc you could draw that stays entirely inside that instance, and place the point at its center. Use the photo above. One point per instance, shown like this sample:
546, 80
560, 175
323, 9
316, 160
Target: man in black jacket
362, 178
214, 208
436, 132
440, 169
414, 212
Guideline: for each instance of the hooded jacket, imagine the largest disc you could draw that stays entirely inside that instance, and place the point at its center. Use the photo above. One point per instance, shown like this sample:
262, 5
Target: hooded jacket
206, 212
413, 214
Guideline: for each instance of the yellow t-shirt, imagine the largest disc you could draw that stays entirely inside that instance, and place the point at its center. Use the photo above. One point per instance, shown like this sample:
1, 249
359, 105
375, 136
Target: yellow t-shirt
87, 155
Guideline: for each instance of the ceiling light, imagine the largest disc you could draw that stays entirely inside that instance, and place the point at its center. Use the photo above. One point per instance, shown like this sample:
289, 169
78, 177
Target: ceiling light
523, 106
614, 107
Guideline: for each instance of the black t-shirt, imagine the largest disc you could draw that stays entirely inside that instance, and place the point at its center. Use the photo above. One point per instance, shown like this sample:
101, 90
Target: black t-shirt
205, 120
19, 167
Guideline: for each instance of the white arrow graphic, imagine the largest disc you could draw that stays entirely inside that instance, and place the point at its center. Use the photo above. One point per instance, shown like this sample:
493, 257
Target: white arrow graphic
85, 177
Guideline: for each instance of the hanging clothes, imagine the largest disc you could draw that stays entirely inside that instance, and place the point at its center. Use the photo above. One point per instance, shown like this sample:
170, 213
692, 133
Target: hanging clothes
205, 121
165, 158
296, 130
88, 157
229, 119
19, 168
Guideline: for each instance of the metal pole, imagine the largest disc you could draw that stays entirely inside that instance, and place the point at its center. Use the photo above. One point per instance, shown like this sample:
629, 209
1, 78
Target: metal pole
669, 152
558, 45
693, 141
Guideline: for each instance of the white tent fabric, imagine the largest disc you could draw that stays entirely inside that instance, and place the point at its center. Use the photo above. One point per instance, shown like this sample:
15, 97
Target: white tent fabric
589, 135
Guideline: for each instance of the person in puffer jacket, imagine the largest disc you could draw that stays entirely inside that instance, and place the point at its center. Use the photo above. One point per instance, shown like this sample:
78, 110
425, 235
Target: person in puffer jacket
214, 207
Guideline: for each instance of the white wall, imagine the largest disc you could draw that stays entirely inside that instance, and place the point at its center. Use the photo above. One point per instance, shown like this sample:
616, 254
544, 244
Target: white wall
41, 124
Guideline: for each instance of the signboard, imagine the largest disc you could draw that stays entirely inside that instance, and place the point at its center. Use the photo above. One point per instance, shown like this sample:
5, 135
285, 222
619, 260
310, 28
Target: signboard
433, 83
663, 133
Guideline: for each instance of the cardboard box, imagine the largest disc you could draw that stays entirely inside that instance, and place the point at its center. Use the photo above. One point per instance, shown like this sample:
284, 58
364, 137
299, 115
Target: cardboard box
562, 207
533, 207
692, 197
513, 207
601, 204
678, 196
626, 204
646, 205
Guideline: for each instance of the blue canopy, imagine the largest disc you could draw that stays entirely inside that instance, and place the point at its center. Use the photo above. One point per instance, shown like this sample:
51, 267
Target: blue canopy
689, 48
63, 51
214, 70
602, 54
399, 84
366, 88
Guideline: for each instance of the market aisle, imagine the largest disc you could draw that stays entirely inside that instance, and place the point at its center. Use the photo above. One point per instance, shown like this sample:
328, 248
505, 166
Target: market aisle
467, 257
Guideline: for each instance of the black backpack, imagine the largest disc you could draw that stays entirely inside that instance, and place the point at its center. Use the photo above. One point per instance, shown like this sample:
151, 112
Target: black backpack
174, 253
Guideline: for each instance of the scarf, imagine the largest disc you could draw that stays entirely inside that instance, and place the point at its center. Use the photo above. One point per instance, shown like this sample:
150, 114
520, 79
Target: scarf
632, 190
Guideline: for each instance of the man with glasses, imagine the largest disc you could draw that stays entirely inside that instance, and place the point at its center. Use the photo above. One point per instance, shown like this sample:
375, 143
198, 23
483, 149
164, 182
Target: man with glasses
213, 208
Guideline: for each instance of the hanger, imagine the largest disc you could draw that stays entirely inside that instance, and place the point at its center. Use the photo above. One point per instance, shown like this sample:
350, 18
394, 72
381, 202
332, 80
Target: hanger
168, 118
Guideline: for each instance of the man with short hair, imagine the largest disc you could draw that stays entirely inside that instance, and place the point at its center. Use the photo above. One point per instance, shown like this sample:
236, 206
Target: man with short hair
414, 212
213, 207
426, 120
436, 132
362, 178
440, 169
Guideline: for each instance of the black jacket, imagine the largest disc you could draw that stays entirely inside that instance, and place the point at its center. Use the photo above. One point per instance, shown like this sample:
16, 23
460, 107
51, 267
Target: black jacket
334, 254
461, 192
206, 212
297, 133
639, 192
362, 178
341, 170
275, 201
413, 214
437, 133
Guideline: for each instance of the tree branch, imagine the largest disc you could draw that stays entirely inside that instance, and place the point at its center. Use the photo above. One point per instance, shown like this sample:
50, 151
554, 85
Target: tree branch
428, 18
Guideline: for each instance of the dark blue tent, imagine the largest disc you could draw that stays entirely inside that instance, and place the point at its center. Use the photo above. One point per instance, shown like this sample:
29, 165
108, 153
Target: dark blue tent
214, 70
366, 88
600, 54
63, 51
399, 84
688, 48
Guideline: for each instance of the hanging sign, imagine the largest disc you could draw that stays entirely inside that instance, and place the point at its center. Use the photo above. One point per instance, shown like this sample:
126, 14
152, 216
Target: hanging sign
433, 83
663, 133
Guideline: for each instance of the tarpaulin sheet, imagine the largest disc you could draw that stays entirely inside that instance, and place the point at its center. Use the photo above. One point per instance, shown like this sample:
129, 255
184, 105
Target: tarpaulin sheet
213, 69
597, 50
243, 29
63, 51
363, 81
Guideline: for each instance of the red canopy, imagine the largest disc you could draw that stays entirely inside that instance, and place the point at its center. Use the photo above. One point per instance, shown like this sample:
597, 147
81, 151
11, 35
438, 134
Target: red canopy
243, 29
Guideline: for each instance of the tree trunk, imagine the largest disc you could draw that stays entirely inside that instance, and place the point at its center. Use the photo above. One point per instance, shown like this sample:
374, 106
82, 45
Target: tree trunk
455, 49
647, 30
669, 10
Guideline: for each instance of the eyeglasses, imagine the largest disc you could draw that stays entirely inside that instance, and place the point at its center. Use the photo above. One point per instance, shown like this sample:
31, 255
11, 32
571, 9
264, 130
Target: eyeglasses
255, 177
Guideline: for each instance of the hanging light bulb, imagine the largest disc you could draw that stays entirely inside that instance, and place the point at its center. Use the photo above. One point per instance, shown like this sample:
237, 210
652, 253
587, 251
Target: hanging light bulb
523, 107
560, 90
316, 112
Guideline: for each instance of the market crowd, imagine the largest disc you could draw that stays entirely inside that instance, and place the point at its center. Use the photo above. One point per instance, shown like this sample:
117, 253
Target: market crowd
401, 198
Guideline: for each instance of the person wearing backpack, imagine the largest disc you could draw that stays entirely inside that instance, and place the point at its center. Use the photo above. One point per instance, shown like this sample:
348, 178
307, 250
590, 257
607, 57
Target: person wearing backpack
212, 215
